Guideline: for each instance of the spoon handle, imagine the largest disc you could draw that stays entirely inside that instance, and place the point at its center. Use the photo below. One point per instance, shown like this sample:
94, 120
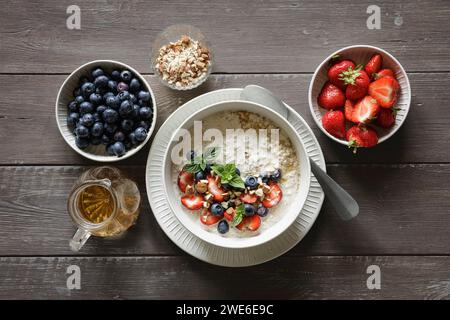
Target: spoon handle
344, 204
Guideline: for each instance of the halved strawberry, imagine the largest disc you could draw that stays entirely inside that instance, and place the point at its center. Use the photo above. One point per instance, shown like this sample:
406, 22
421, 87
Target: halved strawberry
349, 110
248, 198
192, 201
273, 196
250, 223
208, 218
385, 91
365, 110
214, 189
374, 64
383, 73
184, 179
229, 214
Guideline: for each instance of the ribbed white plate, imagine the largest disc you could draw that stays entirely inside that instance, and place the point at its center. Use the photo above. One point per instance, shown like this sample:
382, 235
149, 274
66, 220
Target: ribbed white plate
204, 250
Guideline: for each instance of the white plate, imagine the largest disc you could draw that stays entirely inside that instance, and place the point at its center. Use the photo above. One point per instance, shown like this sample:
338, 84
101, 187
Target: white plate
190, 242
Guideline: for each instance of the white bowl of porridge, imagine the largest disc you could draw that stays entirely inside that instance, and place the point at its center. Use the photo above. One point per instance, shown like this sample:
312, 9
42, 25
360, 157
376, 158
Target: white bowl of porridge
236, 208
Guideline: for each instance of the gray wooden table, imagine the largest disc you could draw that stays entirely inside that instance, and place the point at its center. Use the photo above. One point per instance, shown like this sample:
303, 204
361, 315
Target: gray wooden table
402, 185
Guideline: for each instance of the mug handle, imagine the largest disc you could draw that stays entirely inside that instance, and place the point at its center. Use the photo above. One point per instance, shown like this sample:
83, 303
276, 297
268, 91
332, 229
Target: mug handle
79, 239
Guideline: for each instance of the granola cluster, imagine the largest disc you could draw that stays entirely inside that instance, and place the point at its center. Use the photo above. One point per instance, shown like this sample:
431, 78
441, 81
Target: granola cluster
183, 63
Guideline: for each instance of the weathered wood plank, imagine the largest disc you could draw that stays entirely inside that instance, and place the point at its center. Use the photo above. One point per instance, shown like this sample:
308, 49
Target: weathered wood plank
404, 210
247, 36
29, 134
186, 278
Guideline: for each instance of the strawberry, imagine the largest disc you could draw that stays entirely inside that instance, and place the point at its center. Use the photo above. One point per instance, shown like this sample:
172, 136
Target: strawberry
229, 214
374, 64
208, 218
333, 121
386, 118
335, 71
251, 223
192, 201
349, 110
365, 110
331, 97
248, 198
273, 196
383, 73
361, 137
185, 179
214, 189
385, 90
357, 82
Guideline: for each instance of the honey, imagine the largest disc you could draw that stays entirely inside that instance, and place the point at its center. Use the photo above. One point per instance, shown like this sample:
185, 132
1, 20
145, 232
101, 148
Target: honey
96, 204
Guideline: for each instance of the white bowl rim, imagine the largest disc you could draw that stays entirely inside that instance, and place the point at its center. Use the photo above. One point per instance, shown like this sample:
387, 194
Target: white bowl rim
311, 107
130, 152
219, 241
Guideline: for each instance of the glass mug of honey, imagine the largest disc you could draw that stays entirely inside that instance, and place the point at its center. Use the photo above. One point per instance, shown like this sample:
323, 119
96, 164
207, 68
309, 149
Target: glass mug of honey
103, 203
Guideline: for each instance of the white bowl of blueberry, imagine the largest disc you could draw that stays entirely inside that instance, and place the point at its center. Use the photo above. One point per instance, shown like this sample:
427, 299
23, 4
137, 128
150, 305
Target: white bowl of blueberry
106, 111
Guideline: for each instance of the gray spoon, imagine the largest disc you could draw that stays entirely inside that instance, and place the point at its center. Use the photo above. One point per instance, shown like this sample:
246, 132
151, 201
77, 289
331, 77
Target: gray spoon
346, 207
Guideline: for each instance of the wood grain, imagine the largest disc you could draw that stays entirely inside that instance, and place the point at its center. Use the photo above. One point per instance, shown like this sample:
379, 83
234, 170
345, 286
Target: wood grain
29, 134
246, 36
186, 278
404, 210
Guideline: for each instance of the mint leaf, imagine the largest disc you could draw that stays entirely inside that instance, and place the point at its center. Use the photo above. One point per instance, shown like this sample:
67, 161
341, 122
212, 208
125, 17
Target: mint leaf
210, 154
237, 182
192, 167
239, 215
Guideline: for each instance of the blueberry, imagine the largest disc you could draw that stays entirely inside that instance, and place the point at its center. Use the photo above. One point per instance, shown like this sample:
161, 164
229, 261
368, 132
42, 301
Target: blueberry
262, 211
86, 107
87, 89
118, 148
81, 143
72, 106
72, 119
79, 99
265, 177
132, 98
97, 72
276, 175
96, 141
100, 109
144, 95
191, 155
135, 85
101, 82
97, 129
226, 186
251, 182
105, 139
95, 98
110, 129
112, 85
119, 136
121, 86
115, 75
145, 113
113, 102
126, 108
126, 76
127, 125
110, 150
200, 175
223, 227
87, 120
143, 103
238, 172
110, 115
140, 133
135, 113
208, 169
123, 95
97, 117
101, 91
108, 94
249, 210
217, 209
81, 131
132, 138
